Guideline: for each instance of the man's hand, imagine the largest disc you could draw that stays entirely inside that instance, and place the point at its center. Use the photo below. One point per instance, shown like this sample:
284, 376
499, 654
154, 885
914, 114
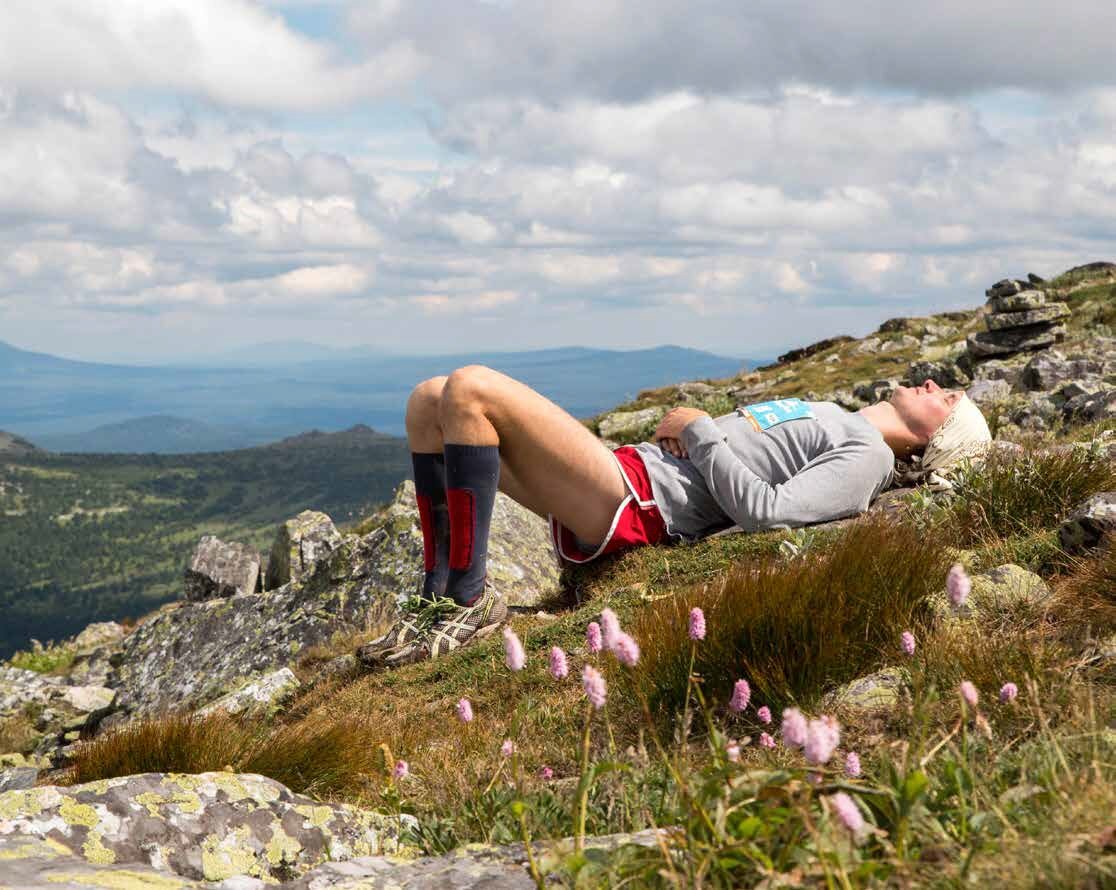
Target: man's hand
669, 431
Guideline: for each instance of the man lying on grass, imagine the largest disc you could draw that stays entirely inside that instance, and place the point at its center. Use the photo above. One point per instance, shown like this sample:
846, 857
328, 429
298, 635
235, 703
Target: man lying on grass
778, 464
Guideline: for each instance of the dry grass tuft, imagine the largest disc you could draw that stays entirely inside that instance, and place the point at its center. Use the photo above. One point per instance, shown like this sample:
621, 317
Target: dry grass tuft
1015, 494
793, 627
1086, 599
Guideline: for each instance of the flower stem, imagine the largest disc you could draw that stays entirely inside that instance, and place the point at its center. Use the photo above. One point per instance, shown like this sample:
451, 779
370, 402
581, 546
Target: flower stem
583, 785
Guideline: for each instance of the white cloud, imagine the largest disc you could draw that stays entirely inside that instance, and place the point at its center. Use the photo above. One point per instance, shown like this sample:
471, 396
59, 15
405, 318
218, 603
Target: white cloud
231, 51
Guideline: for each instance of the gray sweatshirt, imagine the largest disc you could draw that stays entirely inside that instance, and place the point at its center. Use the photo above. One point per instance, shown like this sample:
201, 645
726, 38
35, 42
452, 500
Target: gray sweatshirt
778, 464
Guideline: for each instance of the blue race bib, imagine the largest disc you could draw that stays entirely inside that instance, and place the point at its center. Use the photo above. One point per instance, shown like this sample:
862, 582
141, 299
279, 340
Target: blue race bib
764, 415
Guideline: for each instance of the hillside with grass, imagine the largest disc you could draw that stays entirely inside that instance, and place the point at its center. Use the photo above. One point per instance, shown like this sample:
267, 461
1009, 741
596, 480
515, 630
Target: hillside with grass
922, 696
98, 536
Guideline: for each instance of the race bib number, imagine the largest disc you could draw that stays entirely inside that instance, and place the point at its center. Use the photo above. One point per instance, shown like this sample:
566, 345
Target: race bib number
764, 415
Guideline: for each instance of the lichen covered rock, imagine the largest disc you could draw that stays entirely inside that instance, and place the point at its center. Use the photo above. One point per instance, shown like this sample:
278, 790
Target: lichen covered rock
299, 544
194, 653
218, 569
206, 826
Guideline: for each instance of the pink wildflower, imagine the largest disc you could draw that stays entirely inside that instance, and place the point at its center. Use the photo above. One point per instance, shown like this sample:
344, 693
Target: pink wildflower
848, 812
969, 693
546, 773
852, 765
610, 626
593, 638
822, 737
814, 778
766, 740
558, 667
732, 751
508, 748
626, 649
741, 695
594, 685
958, 585
464, 710
764, 714
907, 641
794, 728
1008, 692
514, 655
401, 769
697, 624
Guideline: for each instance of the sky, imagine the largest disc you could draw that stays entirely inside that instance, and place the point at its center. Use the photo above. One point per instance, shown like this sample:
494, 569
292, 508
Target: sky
190, 177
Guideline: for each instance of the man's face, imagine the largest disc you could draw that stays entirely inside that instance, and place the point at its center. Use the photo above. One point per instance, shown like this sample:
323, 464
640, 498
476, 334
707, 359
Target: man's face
924, 408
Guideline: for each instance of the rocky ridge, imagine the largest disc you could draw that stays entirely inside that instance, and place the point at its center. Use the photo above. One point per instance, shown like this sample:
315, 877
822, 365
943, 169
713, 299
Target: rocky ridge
231, 642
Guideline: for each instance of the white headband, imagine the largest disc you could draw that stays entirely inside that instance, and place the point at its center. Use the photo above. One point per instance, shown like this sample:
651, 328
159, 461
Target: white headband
963, 434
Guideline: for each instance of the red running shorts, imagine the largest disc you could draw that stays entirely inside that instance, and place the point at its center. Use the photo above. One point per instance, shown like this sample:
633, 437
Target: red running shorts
637, 520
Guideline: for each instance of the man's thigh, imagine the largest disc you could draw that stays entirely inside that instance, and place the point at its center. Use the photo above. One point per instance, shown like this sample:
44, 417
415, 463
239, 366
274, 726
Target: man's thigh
566, 470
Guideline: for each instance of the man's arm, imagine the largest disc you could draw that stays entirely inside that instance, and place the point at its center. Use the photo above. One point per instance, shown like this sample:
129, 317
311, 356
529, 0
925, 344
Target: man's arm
833, 485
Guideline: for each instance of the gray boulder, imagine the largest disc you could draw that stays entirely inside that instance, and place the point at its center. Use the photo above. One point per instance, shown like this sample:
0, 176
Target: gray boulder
299, 544
1001, 321
1010, 370
875, 390
218, 569
945, 373
879, 691
984, 392
993, 343
1007, 287
204, 827
1049, 369
1020, 302
1091, 407
1005, 596
1088, 523
260, 696
16, 778
625, 424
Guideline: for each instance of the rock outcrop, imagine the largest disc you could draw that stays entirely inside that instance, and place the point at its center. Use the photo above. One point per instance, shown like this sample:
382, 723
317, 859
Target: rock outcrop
205, 826
1019, 320
218, 569
191, 654
299, 545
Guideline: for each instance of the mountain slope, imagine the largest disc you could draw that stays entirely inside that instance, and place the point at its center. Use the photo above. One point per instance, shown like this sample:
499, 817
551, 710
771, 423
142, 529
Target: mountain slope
90, 537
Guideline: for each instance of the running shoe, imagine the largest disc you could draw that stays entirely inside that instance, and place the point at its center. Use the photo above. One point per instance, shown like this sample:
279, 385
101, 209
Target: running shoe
455, 628
416, 616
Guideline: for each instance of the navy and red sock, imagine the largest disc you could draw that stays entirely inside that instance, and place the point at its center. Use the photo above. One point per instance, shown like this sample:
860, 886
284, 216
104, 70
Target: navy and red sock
472, 476
430, 493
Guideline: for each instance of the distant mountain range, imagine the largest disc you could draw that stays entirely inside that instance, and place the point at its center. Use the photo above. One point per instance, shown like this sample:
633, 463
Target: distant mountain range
65, 405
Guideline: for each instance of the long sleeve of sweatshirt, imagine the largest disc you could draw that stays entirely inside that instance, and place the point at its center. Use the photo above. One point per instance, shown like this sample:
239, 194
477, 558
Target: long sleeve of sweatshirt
840, 482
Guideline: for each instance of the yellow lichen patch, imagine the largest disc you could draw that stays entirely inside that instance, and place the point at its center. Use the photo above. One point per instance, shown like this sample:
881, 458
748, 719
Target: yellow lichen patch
317, 816
187, 803
151, 800
185, 781
26, 802
119, 880
228, 856
58, 846
97, 852
231, 785
282, 847
103, 785
33, 847
75, 813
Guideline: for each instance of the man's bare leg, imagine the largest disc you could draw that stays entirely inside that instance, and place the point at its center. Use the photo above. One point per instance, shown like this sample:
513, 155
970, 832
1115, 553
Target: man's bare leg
549, 461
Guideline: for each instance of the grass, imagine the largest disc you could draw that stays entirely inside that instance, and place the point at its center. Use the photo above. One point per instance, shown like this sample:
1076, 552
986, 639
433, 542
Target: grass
793, 628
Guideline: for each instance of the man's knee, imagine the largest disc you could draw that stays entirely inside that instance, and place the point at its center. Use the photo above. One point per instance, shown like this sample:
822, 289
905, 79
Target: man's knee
465, 386
424, 398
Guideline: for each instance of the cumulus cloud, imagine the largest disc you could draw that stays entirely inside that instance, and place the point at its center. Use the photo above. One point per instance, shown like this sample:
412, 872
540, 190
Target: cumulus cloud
629, 50
230, 51
607, 173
